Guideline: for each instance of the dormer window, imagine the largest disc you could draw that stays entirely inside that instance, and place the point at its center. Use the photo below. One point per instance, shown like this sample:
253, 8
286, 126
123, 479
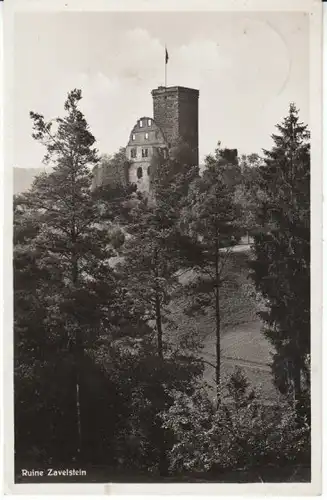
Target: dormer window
141, 123
146, 135
133, 137
149, 122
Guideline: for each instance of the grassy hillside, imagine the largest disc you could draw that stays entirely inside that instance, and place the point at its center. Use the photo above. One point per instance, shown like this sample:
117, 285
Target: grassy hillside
242, 341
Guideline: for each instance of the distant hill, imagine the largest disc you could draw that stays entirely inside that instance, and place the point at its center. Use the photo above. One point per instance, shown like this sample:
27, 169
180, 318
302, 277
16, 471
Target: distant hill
24, 177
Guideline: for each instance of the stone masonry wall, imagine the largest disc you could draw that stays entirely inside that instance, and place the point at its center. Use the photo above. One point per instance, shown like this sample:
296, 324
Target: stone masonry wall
110, 172
188, 113
175, 110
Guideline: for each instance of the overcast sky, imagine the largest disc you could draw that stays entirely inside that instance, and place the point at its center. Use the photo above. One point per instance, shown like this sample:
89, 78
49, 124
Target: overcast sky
247, 66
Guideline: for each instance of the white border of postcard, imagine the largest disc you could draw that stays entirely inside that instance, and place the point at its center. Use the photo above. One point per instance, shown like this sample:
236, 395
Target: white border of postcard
315, 9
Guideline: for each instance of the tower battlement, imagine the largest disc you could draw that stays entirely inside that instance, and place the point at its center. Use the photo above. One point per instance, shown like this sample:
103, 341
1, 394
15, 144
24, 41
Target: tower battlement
176, 112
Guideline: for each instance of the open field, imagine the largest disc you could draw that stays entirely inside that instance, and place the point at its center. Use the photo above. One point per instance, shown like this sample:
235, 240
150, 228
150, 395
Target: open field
242, 341
244, 346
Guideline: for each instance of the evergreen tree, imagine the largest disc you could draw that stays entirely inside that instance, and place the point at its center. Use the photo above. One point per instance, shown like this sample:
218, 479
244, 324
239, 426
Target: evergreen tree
248, 193
63, 276
213, 218
154, 252
282, 253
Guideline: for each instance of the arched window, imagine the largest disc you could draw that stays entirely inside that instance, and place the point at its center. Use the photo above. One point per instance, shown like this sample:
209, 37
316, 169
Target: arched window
139, 173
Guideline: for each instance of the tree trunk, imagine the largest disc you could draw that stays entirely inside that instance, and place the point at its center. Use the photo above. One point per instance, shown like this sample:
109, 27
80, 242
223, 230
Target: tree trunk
79, 354
163, 461
217, 317
158, 308
78, 415
296, 375
159, 326
297, 383
298, 394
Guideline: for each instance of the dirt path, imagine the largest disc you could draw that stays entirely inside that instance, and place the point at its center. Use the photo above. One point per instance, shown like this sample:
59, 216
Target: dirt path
247, 364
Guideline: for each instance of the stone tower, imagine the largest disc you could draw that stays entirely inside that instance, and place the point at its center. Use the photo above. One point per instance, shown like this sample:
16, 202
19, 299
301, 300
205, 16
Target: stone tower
176, 112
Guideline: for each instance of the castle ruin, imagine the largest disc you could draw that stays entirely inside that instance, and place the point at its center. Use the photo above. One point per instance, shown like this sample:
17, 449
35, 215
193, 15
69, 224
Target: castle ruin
175, 121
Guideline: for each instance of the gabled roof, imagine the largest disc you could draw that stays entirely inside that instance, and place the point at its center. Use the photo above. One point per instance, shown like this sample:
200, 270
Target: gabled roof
145, 128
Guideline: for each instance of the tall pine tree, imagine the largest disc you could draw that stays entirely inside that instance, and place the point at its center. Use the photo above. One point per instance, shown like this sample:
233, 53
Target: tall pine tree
63, 276
154, 252
282, 253
213, 216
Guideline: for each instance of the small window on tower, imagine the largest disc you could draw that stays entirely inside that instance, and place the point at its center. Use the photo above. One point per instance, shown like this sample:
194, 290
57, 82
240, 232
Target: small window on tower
133, 137
139, 173
148, 170
145, 153
141, 123
149, 123
146, 135
133, 153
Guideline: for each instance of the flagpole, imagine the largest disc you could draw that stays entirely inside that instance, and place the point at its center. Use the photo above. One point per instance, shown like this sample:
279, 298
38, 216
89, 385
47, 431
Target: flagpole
165, 74
165, 66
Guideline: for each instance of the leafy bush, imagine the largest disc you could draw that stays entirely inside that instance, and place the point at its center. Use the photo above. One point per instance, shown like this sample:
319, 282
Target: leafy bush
240, 433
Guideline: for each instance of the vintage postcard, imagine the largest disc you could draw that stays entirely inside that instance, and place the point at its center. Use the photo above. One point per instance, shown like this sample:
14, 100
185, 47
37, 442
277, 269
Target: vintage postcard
163, 236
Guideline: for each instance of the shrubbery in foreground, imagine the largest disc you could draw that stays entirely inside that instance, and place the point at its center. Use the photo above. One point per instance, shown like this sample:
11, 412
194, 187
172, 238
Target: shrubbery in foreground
240, 432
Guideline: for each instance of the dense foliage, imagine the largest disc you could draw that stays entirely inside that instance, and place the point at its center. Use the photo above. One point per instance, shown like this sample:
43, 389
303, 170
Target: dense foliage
282, 254
212, 217
107, 372
240, 433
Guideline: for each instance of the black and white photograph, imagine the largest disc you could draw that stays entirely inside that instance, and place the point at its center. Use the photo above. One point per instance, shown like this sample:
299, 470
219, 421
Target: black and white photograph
161, 167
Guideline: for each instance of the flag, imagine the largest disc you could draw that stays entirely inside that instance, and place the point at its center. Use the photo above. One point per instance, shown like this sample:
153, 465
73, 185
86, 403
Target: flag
167, 57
